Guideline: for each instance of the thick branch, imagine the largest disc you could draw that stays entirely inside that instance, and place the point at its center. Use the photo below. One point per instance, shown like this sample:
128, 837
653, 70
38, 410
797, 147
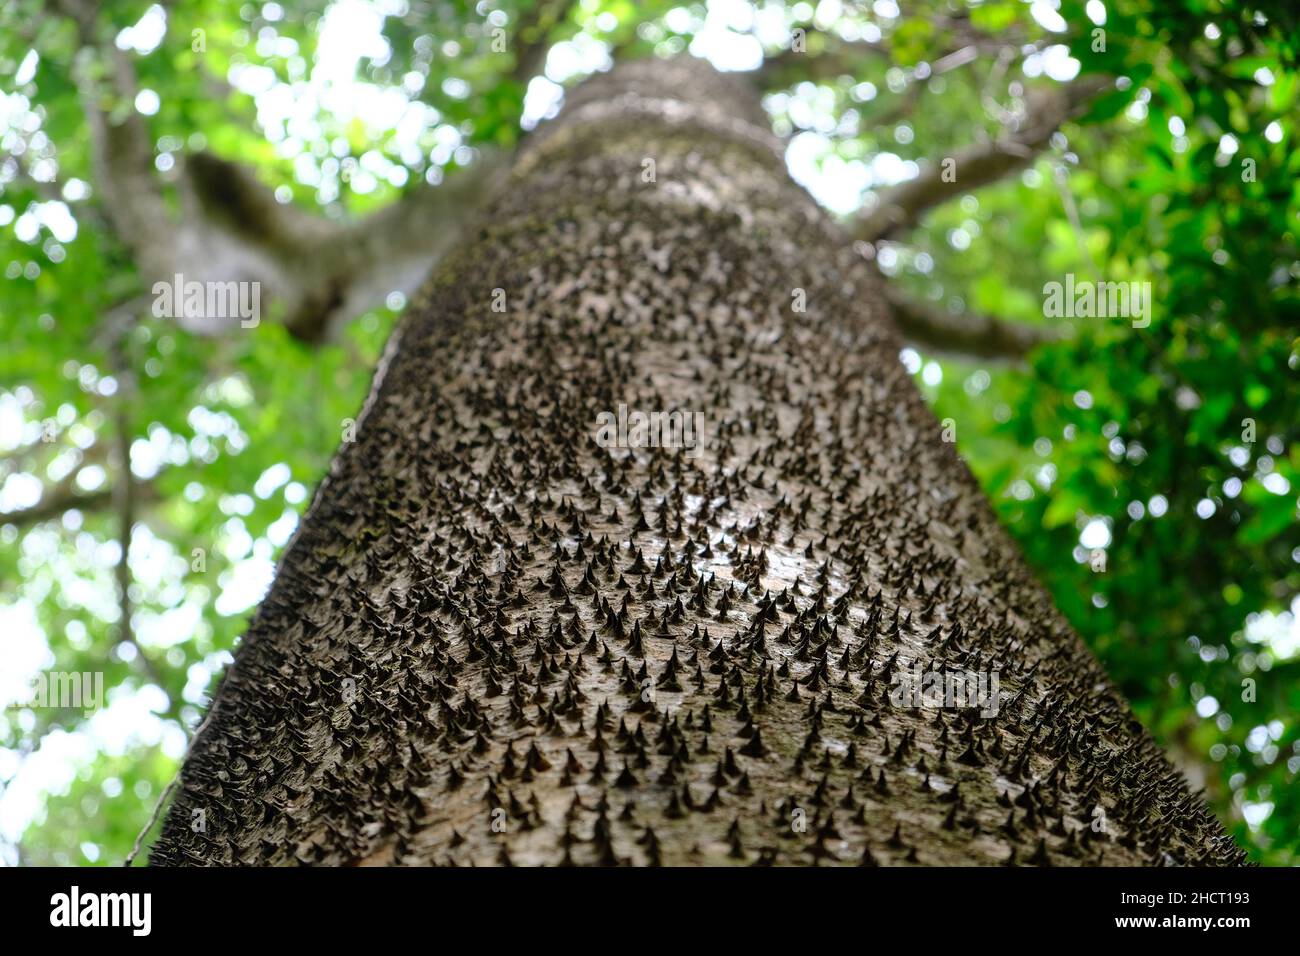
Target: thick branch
232, 228
969, 334
53, 505
121, 148
980, 164
326, 272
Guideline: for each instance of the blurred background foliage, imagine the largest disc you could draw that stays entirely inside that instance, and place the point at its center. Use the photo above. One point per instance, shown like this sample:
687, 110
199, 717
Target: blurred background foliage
1149, 474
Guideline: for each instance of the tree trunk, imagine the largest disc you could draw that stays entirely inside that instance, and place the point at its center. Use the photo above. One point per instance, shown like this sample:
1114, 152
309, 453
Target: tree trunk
498, 637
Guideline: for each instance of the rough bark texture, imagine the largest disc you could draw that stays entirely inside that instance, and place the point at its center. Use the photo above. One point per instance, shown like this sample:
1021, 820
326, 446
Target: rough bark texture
496, 641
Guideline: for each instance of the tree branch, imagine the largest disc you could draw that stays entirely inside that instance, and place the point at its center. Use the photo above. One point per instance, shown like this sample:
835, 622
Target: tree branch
53, 505
327, 272
825, 56
980, 164
232, 228
968, 334
532, 38
121, 148
124, 500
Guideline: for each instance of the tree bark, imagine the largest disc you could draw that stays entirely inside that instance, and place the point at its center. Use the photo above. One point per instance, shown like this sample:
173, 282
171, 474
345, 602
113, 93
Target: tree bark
496, 640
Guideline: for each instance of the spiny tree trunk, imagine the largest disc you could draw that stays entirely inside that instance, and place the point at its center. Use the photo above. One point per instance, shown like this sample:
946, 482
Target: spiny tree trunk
496, 640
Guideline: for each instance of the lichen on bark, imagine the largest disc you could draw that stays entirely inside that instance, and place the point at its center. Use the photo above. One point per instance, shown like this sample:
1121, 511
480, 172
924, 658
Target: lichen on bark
495, 640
